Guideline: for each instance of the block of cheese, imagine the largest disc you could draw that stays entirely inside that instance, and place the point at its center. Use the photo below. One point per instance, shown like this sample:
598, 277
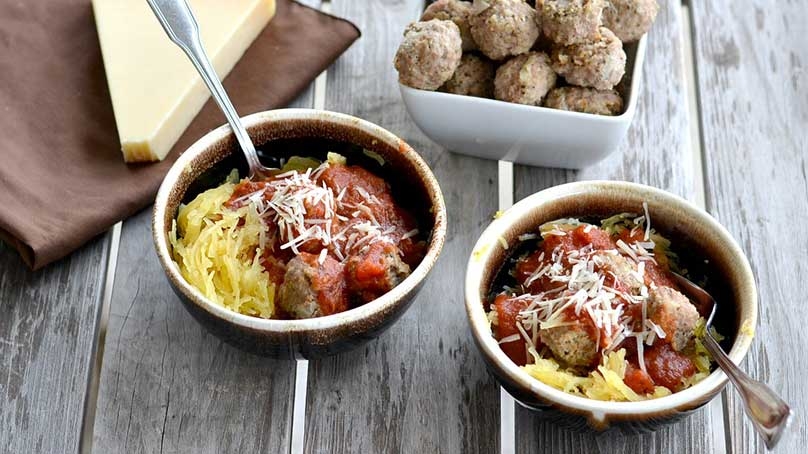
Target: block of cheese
156, 92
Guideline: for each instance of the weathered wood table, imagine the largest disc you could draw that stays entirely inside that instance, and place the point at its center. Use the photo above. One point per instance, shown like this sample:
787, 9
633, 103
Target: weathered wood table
96, 354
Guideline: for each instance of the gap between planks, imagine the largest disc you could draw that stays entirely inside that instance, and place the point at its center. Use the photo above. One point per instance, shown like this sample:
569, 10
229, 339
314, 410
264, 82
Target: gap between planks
717, 408
97, 353
297, 436
507, 404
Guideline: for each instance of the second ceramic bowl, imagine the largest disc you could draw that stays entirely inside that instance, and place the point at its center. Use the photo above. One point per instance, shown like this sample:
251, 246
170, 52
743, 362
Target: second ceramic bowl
687, 226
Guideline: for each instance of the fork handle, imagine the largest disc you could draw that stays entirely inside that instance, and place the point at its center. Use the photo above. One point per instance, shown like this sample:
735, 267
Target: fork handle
182, 28
768, 412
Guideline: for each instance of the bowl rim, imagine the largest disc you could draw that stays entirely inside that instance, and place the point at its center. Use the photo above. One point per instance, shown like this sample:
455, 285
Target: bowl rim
628, 112
363, 313
475, 310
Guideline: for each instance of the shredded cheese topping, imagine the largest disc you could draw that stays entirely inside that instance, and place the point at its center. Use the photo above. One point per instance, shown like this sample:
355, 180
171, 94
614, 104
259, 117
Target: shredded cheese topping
222, 246
607, 289
289, 200
581, 276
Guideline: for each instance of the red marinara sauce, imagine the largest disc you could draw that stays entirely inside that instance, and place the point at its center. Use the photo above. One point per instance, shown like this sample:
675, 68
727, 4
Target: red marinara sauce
376, 233
667, 367
507, 313
664, 366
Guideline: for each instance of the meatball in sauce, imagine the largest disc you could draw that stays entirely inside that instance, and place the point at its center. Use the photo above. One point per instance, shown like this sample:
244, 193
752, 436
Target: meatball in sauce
586, 291
336, 238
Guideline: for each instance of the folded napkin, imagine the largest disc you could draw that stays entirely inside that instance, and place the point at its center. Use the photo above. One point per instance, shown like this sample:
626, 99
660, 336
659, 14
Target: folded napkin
62, 177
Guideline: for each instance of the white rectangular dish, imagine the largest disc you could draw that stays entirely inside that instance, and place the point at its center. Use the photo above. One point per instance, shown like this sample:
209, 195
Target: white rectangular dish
531, 135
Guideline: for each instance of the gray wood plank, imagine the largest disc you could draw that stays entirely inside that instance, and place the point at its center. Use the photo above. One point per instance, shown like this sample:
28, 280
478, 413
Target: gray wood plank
421, 387
656, 152
753, 85
47, 332
166, 384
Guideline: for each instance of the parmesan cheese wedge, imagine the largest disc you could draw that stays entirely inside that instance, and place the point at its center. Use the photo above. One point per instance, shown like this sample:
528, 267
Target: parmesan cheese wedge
155, 90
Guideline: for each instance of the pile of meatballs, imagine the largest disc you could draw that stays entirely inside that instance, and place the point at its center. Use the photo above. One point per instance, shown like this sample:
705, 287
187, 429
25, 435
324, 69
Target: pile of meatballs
512, 51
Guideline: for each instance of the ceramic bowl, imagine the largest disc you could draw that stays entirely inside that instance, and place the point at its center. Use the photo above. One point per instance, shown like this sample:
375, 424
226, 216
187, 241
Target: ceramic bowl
311, 133
688, 227
531, 135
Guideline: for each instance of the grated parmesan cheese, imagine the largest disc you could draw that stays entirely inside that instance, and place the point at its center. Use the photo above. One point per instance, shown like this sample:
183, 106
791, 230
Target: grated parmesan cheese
219, 249
581, 275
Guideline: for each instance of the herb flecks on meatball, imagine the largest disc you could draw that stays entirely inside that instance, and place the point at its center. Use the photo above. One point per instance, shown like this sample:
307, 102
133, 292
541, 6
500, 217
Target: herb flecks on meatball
630, 19
503, 28
570, 343
311, 289
375, 270
568, 22
474, 77
525, 79
675, 314
599, 64
586, 100
429, 54
456, 11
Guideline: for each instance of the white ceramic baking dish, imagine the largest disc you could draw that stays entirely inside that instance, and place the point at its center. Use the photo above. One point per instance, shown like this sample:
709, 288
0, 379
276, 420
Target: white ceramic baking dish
531, 135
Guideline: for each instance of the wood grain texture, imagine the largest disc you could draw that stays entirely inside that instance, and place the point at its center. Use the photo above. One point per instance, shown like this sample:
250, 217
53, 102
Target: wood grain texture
656, 152
656, 149
47, 332
752, 63
169, 386
422, 386
166, 384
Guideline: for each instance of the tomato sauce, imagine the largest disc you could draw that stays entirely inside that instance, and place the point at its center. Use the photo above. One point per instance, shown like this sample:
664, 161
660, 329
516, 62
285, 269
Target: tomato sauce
329, 284
361, 185
370, 234
656, 271
664, 366
637, 380
507, 313
667, 367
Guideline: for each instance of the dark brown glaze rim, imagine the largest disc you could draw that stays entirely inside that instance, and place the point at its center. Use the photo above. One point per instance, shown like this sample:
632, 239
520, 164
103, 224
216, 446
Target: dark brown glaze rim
300, 123
604, 198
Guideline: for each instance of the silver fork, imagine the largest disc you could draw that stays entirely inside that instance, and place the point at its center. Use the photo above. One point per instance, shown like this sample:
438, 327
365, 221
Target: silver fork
768, 412
182, 28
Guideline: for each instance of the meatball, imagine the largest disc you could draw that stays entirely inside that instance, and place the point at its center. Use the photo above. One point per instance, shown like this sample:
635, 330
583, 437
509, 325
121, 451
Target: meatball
570, 344
587, 100
375, 270
429, 54
311, 289
474, 77
623, 269
502, 28
457, 12
568, 22
525, 79
675, 314
630, 19
599, 64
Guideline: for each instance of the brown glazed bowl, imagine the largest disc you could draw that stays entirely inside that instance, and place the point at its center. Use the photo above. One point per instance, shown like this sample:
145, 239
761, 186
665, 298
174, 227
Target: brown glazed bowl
689, 228
282, 133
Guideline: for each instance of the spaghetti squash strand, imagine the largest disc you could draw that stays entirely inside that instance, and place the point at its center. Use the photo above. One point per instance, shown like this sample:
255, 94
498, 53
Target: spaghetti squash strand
218, 252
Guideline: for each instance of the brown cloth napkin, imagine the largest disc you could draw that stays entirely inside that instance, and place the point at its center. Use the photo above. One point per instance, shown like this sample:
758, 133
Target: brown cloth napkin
62, 176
